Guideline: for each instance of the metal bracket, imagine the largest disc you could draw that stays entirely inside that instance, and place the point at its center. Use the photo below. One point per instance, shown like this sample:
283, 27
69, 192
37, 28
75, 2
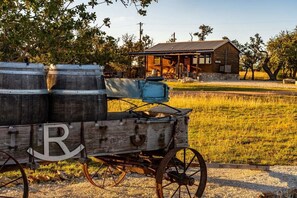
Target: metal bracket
13, 133
137, 140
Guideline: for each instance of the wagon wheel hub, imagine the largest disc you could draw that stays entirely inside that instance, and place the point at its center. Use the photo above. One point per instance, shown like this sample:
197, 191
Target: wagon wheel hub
180, 178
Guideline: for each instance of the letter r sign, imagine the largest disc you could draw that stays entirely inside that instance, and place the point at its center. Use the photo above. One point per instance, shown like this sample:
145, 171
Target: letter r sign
58, 140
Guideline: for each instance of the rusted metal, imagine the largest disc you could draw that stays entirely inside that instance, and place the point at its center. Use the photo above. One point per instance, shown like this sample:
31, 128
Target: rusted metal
102, 174
19, 178
176, 176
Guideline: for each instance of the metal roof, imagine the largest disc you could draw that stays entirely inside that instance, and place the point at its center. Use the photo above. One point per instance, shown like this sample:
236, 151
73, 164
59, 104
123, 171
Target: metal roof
183, 47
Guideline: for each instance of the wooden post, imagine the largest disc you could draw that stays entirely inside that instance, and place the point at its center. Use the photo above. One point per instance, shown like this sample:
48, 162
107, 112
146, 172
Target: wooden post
197, 65
177, 66
145, 65
161, 65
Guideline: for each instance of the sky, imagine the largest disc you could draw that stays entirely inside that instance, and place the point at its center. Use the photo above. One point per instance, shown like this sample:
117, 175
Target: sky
236, 19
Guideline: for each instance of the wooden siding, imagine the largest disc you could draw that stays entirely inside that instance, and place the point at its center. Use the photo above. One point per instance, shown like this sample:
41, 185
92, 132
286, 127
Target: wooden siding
227, 55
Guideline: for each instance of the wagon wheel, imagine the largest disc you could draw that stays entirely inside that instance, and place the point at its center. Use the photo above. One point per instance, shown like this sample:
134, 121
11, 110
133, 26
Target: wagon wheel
101, 174
16, 179
181, 173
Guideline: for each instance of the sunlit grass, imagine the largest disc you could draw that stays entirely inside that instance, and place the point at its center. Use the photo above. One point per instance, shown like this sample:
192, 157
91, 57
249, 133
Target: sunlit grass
237, 129
259, 75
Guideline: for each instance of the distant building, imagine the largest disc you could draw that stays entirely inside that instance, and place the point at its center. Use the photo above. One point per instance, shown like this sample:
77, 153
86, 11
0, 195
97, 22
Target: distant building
203, 60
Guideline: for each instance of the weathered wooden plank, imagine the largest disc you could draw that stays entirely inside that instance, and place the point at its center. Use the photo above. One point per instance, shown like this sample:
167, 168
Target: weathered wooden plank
108, 136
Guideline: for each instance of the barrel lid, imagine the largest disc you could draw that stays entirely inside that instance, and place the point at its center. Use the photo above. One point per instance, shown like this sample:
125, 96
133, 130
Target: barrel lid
19, 65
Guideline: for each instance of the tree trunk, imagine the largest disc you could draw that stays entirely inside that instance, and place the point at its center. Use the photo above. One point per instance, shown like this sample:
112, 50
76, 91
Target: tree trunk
267, 69
253, 73
294, 72
276, 71
246, 71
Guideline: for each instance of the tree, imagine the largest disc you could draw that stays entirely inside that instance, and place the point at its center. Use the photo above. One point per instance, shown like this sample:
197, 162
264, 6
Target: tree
283, 54
56, 31
172, 38
130, 45
252, 54
205, 30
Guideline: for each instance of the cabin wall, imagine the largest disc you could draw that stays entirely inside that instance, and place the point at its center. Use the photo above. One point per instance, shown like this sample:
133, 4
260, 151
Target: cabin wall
226, 55
216, 70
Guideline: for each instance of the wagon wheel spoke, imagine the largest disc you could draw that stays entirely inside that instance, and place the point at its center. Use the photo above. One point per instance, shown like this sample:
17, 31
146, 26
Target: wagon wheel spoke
12, 175
175, 191
195, 172
10, 182
189, 193
101, 174
181, 173
167, 185
190, 163
97, 171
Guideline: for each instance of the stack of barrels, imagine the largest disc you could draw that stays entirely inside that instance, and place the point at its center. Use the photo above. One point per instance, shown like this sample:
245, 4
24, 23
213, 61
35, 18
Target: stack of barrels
65, 93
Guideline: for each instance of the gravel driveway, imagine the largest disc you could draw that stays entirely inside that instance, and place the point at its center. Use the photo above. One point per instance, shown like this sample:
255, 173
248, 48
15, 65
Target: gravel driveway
222, 182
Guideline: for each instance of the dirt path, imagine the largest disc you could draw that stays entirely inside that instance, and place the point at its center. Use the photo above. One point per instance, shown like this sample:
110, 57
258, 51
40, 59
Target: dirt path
222, 182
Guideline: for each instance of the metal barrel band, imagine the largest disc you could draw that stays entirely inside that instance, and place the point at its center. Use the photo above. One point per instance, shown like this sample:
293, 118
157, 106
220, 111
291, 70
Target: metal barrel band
78, 92
21, 65
24, 91
75, 67
35, 73
76, 73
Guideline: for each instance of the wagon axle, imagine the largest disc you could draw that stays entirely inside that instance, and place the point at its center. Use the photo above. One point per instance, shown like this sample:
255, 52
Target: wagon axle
180, 178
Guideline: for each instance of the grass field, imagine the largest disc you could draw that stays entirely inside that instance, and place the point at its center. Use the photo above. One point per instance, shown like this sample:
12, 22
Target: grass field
242, 129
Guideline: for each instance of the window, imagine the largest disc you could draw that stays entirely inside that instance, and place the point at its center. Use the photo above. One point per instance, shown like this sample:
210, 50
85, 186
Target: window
204, 59
201, 59
157, 60
207, 59
195, 60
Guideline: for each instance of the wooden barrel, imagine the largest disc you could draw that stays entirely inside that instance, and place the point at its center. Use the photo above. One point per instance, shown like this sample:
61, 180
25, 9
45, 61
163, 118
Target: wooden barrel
23, 94
77, 93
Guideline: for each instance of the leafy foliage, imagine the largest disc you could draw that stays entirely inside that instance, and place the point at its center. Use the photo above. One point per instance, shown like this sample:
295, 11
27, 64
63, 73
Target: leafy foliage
130, 45
204, 31
280, 54
57, 31
283, 52
252, 54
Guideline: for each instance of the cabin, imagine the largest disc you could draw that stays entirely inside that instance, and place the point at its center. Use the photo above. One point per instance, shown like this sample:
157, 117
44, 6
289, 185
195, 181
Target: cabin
202, 60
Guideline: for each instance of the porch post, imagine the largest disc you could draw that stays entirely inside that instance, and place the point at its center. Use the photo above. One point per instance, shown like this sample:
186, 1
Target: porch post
177, 66
197, 65
161, 66
145, 66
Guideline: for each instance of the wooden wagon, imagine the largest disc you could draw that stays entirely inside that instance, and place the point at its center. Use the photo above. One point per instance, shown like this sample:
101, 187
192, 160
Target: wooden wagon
152, 142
